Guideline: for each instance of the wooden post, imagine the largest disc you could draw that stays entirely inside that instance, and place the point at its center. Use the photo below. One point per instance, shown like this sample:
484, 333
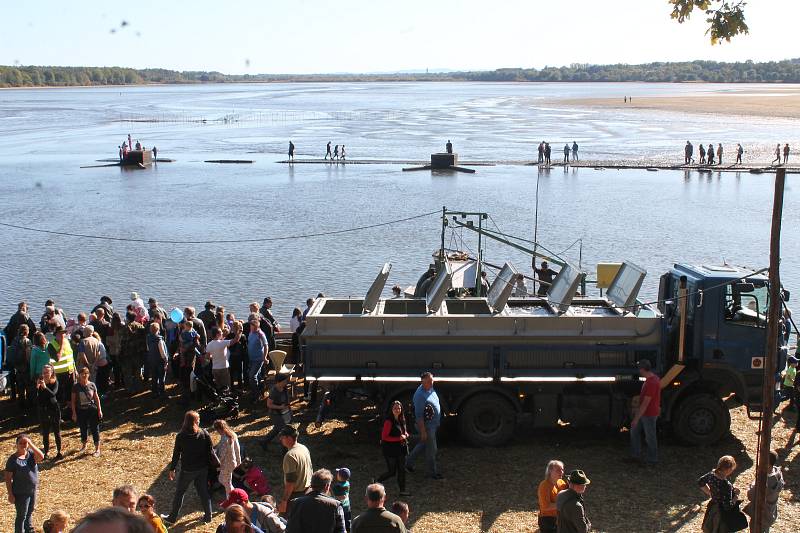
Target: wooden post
770, 358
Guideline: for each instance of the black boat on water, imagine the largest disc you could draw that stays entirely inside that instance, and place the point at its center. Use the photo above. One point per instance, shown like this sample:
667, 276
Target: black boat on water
137, 158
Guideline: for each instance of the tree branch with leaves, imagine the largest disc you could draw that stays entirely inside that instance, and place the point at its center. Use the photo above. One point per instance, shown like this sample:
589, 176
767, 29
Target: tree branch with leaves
725, 19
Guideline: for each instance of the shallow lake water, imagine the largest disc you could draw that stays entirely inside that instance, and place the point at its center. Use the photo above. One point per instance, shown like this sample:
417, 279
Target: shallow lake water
651, 218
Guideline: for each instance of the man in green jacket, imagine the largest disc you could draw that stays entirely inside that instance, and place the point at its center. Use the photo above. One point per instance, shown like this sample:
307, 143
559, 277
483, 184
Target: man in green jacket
376, 519
571, 512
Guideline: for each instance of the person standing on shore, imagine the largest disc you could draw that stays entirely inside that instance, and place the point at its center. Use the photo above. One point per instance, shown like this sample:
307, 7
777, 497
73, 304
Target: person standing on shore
687, 153
547, 153
739, 152
541, 153
394, 441
22, 481
328, 151
719, 153
785, 153
547, 493
574, 151
569, 505
48, 410
297, 469
291, 151
86, 410
710, 154
194, 452
428, 413
566, 153
777, 154
702, 150
644, 421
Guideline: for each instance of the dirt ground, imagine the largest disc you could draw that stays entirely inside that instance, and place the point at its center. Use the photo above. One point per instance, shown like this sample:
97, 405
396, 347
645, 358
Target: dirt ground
485, 490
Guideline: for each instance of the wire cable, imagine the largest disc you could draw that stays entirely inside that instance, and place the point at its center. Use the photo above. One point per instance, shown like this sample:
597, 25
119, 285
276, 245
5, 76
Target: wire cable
220, 241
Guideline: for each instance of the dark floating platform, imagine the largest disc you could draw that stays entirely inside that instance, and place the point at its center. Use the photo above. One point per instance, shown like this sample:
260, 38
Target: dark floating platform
230, 161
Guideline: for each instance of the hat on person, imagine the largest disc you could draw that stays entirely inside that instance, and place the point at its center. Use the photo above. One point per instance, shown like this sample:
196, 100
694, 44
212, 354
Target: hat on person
645, 364
134, 296
210, 305
578, 477
288, 431
237, 496
106, 299
343, 472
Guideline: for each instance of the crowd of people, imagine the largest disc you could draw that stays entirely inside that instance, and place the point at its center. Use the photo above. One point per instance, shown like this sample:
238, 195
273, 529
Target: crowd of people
713, 156
69, 369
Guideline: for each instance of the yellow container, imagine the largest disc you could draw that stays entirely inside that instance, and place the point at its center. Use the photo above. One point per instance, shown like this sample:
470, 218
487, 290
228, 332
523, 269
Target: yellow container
606, 273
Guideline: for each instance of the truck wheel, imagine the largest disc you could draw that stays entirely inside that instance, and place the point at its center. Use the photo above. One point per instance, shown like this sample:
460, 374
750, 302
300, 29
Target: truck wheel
487, 420
702, 419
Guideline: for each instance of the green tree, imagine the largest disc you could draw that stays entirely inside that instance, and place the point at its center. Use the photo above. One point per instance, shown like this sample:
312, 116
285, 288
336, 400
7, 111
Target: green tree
725, 18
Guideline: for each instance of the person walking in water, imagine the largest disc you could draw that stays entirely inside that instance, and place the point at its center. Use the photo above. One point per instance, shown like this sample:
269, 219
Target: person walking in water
710, 154
341, 153
566, 153
155, 154
574, 151
291, 151
785, 153
777, 154
328, 151
702, 151
335, 152
719, 153
739, 152
449, 147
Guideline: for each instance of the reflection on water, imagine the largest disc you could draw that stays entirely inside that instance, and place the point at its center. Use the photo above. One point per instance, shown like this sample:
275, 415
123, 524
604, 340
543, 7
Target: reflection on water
650, 218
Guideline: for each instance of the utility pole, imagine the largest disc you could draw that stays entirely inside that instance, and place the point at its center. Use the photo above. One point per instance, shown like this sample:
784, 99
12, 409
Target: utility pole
770, 358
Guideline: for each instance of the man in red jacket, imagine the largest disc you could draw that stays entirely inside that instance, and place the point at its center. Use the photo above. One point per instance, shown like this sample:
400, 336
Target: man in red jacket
646, 417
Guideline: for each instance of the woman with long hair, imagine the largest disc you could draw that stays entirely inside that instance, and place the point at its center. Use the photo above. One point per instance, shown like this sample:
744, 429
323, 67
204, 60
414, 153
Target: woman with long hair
194, 453
86, 410
394, 441
48, 409
229, 453
723, 494
57, 523
237, 521
549, 488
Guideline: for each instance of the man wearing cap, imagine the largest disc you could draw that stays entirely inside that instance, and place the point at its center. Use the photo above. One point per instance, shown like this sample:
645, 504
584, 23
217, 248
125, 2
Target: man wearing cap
297, 468
644, 421
105, 305
280, 412
569, 503
208, 315
317, 511
376, 518
262, 514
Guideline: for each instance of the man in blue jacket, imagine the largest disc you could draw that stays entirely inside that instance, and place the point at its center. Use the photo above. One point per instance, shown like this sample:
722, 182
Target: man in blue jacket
428, 413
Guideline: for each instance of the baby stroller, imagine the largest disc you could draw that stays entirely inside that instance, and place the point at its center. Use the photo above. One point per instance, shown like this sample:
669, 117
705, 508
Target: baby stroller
223, 405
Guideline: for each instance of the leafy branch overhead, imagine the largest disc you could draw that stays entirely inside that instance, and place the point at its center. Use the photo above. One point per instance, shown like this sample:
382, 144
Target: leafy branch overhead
725, 19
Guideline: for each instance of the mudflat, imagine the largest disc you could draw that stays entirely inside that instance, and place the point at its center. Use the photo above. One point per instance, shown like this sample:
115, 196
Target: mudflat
777, 103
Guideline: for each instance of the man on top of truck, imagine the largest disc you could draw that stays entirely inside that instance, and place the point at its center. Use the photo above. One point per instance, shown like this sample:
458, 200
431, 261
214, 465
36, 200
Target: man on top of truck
545, 274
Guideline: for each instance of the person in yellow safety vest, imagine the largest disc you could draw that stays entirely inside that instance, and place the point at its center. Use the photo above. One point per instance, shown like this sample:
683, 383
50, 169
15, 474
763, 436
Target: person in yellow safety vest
60, 351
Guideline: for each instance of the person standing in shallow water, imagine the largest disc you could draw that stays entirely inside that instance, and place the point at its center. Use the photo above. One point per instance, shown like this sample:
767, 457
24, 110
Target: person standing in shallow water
566, 153
574, 151
719, 153
328, 151
702, 150
710, 154
777, 154
291, 151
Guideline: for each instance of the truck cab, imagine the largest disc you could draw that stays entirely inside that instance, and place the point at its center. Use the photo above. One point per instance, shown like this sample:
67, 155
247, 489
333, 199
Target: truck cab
724, 341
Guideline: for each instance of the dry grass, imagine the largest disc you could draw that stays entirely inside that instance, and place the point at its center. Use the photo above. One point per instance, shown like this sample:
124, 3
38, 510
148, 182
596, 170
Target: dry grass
485, 490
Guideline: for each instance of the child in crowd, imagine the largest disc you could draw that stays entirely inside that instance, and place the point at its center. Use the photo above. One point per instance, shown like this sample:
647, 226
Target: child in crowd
789, 376
57, 523
341, 491
147, 506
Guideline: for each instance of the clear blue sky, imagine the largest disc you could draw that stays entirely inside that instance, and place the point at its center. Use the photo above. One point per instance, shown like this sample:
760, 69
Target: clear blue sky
315, 36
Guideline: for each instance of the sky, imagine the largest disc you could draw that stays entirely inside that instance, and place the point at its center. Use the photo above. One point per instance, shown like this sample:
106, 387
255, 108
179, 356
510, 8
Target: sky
316, 36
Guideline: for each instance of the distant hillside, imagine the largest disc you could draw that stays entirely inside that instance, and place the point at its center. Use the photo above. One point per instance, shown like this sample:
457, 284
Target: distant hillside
787, 71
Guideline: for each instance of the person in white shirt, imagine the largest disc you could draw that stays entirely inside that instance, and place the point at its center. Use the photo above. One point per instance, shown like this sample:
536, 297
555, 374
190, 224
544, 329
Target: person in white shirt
296, 320
220, 357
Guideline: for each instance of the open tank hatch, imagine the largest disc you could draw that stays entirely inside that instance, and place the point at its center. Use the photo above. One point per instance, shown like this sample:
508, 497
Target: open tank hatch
375, 290
626, 285
564, 287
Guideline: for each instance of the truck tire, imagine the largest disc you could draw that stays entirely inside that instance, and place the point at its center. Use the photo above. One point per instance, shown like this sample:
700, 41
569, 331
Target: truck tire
487, 420
702, 420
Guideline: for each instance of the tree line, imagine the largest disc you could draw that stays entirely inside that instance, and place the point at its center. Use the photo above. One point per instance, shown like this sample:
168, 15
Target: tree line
787, 71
